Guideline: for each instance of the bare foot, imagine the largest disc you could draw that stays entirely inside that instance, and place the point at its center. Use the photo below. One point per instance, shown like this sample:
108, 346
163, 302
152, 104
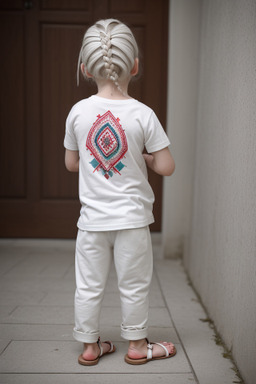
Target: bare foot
138, 349
92, 351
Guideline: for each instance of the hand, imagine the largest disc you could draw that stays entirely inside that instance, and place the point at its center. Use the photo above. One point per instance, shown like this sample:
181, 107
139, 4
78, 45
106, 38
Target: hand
149, 159
160, 162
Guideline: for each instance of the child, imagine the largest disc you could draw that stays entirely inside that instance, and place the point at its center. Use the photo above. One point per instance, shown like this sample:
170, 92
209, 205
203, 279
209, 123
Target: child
105, 137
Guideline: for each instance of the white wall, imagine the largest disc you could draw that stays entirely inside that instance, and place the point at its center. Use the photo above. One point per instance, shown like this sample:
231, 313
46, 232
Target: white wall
184, 26
221, 254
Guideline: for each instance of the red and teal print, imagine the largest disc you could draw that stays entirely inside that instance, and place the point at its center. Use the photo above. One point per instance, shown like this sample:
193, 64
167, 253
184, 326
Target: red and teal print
107, 143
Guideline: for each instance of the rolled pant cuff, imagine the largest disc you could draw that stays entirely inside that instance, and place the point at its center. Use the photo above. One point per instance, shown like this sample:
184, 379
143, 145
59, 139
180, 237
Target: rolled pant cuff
136, 334
84, 337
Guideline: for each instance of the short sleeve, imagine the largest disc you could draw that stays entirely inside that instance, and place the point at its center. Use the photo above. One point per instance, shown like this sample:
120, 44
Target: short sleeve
70, 141
155, 136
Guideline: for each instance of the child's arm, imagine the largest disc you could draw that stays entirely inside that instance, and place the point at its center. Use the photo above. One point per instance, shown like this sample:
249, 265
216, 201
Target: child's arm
72, 160
161, 162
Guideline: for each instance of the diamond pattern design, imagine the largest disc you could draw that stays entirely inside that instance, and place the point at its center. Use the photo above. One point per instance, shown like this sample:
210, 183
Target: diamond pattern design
108, 144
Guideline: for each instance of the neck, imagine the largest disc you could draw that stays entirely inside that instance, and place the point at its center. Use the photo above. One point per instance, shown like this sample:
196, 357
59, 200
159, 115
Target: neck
109, 90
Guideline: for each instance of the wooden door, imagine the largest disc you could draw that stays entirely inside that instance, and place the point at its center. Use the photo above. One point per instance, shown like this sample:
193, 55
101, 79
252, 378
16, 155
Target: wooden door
40, 42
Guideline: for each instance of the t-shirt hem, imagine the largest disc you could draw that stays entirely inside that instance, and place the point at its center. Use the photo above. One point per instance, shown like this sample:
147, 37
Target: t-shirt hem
158, 147
115, 227
70, 146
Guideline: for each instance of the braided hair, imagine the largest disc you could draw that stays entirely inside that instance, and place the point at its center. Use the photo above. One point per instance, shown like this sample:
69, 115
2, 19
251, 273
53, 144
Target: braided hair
108, 51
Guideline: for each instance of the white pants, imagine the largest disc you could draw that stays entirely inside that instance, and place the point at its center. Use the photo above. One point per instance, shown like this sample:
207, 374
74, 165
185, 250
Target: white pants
132, 251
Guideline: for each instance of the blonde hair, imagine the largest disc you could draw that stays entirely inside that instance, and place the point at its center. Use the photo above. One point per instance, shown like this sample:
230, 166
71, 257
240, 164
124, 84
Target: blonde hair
108, 51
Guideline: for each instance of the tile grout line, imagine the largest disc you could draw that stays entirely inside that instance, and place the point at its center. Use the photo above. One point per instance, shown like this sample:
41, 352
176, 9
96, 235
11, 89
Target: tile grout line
15, 265
94, 373
6, 348
174, 326
13, 310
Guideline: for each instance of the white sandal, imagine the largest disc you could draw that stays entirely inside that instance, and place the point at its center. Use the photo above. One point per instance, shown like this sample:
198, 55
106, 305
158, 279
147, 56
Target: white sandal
150, 357
82, 361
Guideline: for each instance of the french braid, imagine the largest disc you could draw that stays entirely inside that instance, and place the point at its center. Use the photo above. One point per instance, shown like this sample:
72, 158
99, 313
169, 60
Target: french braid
108, 51
108, 60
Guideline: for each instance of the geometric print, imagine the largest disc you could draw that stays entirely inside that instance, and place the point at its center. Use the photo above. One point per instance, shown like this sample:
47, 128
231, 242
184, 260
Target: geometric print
107, 142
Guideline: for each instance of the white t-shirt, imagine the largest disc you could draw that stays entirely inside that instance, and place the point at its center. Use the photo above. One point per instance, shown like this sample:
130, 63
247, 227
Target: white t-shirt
110, 136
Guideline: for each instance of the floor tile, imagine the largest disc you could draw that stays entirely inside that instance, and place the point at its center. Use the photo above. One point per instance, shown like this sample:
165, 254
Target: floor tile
34, 314
197, 337
48, 357
3, 344
88, 378
36, 332
21, 298
36, 283
6, 311
37, 289
60, 298
8, 259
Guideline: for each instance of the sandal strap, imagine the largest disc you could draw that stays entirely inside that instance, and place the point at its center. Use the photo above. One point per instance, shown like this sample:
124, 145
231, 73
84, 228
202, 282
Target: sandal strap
166, 350
111, 346
101, 348
150, 350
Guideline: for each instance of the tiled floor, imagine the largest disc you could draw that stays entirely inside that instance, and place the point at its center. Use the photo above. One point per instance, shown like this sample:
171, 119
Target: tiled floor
36, 302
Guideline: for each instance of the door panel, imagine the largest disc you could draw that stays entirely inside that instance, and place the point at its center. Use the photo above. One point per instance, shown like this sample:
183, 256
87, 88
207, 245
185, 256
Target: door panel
58, 84
12, 133
40, 45
67, 5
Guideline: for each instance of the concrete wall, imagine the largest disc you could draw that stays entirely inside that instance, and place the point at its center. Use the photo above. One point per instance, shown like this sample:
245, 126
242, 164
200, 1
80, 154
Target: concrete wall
221, 255
209, 212
184, 28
